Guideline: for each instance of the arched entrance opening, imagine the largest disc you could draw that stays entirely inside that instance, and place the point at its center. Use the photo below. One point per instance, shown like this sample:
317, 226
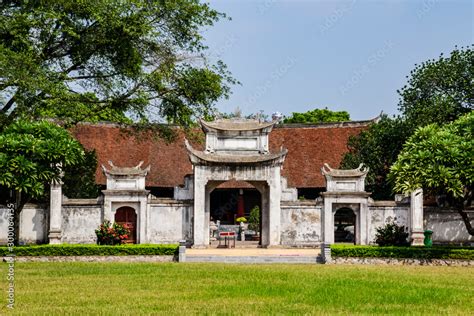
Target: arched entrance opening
127, 216
345, 226
231, 201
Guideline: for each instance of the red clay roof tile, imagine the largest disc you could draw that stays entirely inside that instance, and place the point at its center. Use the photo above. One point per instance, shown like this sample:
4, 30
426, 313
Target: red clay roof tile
308, 149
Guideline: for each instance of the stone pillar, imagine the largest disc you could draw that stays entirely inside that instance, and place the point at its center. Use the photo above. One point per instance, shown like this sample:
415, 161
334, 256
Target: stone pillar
182, 251
416, 218
55, 213
274, 218
199, 230
207, 214
142, 220
326, 253
363, 224
328, 221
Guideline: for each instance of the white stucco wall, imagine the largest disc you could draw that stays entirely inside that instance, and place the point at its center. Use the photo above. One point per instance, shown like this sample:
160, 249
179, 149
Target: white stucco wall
447, 225
33, 224
382, 212
169, 221
79, 223
3, 225
301, 223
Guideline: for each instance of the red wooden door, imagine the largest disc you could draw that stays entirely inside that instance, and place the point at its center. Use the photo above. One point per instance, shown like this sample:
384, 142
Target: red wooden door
127, 216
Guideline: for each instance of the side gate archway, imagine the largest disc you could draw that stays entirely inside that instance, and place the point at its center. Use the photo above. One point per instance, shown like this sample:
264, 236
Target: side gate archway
346, 191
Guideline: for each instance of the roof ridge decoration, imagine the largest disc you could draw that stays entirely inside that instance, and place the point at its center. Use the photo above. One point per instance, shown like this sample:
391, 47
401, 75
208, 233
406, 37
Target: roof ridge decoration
209, 158
345, 173
125, 171
220, 125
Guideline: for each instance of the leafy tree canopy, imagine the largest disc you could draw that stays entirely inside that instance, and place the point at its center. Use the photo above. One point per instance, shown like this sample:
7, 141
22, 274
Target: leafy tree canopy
31, 156
318, 116
107, 60
439, 160
79, 180
372, 149
439, 90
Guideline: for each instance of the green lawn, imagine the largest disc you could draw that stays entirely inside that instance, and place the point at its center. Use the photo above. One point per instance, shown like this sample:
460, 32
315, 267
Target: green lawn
171, 288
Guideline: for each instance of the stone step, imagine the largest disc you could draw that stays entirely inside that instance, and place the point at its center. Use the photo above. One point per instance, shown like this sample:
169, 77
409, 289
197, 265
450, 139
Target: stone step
254, 259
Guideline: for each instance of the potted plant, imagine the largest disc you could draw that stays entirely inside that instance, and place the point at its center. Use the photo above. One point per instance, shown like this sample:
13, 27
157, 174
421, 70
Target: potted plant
254, 221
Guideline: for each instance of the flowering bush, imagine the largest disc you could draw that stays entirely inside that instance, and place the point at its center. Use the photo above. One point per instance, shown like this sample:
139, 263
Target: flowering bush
111, 234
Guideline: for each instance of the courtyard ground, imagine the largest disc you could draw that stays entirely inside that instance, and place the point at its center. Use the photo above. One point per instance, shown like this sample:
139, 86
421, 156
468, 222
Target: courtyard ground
172, 288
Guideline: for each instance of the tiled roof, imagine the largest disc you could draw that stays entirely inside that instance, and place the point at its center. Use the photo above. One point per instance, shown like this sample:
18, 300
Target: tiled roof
309, 147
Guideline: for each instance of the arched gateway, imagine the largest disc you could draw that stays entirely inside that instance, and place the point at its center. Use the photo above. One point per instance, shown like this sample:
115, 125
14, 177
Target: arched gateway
237, 150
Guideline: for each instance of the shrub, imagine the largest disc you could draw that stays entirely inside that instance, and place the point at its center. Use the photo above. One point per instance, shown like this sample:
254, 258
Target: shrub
114, 234
254, 219
91, 250
392, 235
465, 253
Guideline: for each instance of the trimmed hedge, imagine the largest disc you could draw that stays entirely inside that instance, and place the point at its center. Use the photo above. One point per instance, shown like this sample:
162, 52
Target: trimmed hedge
91, 250
464, 253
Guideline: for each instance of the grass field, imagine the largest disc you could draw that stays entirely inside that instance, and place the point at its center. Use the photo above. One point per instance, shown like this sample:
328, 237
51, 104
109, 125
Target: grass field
187, 289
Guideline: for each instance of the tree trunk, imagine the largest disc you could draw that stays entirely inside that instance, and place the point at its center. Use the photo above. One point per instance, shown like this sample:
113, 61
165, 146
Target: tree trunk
20, 201
466, 221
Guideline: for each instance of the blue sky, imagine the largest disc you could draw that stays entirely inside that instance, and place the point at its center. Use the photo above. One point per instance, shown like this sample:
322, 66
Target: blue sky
293, 56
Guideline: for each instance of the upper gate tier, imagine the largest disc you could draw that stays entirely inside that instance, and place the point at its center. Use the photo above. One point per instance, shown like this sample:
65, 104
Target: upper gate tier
236, 142
237, 136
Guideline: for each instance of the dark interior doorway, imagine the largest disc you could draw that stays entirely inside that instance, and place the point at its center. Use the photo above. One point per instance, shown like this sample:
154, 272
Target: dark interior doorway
126, 216
344, 226
229, 204
225, 204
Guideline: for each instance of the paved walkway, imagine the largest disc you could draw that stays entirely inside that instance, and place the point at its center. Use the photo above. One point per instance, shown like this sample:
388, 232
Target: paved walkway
243, 252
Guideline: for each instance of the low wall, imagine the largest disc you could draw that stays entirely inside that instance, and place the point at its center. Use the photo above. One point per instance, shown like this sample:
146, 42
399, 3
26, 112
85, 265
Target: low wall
34, 224
406, 261
381, 212
169, 221
447, 225
301, 223
80, 219
94, 259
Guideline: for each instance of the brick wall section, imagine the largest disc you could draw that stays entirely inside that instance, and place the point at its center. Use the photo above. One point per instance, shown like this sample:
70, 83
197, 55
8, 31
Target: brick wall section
308, 149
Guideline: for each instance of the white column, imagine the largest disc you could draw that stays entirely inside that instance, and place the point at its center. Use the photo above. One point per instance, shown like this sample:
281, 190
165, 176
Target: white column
416, 218
55, 219
141, 220
274, 218
328, 221
199, 214
363, 223
207, 215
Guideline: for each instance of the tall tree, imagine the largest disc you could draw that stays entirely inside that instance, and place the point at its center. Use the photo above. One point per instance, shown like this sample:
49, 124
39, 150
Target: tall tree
377, 148
107, 60
31, 156
318, 116
438, 91
440, 160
